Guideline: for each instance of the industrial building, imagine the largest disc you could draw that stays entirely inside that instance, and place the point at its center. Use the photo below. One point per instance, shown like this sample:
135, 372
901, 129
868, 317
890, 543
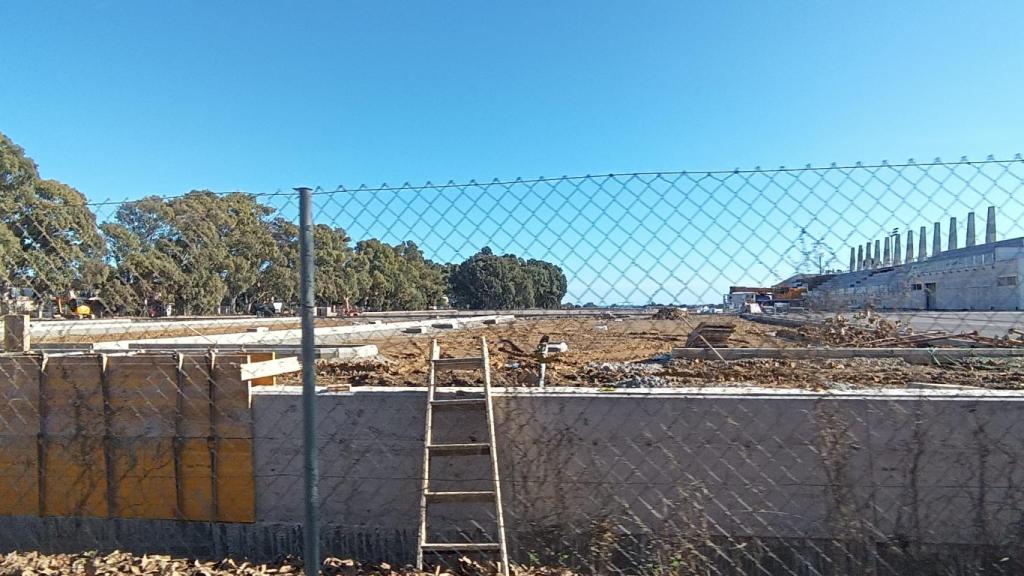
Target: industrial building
884, 275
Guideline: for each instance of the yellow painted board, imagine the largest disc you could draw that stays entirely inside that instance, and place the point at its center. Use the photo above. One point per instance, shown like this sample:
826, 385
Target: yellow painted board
75, 479
144, 478
19, 395
74, 396
19, 481
233, 417
196, 480
236, 493
143, 395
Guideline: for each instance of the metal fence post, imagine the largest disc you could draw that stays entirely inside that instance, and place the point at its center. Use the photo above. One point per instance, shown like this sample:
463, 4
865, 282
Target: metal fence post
311, 476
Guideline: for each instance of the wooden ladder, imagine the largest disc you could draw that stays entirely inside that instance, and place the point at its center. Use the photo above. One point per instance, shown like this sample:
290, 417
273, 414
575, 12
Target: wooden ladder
430, 449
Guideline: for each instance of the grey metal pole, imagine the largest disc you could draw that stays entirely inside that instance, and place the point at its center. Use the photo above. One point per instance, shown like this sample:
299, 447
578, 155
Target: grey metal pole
311, 476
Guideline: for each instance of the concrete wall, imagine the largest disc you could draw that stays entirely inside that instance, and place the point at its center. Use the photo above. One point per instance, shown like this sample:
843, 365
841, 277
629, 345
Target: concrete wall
896, 482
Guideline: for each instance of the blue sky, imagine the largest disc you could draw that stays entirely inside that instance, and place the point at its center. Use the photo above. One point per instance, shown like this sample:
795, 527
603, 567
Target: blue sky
124, 99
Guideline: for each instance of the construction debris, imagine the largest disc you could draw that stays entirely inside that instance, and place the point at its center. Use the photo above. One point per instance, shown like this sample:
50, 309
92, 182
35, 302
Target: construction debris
116, 563
669, 314
710, 335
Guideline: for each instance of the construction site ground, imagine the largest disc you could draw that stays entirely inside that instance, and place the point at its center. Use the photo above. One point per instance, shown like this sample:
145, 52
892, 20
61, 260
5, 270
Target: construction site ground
635, 353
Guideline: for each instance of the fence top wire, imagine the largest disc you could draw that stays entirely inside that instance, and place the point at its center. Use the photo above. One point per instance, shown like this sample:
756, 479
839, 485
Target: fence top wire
340, 189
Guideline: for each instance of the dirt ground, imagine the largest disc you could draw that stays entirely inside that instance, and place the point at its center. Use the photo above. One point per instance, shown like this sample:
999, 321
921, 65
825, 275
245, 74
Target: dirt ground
117, 563
635, 353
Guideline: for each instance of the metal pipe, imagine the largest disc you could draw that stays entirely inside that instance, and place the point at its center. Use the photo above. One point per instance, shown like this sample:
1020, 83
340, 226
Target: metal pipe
311, 473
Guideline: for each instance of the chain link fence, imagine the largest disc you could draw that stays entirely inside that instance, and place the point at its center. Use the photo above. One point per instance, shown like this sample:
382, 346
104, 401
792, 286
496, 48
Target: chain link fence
801, 371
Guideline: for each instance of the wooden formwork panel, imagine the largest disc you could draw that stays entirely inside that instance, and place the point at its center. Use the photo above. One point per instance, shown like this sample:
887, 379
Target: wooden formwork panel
232, 416
19, 396
140, 436
143, 393
75, 479
73, 397
236, 490
144, 479
19, 476
195, 485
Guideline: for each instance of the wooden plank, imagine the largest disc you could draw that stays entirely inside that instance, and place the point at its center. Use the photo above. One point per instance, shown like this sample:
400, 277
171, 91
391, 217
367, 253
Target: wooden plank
270, 368
262, 357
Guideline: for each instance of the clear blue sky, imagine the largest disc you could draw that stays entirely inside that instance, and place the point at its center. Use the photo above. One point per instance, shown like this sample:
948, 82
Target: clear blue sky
124, 99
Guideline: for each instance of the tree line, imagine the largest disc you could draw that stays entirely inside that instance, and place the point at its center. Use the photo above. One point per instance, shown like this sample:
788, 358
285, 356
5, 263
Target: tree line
203, 250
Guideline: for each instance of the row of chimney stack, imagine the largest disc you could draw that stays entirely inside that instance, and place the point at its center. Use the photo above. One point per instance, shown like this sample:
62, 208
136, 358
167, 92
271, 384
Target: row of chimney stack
889, 253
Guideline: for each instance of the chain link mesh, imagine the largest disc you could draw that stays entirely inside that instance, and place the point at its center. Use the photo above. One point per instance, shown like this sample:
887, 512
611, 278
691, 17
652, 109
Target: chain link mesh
744, 372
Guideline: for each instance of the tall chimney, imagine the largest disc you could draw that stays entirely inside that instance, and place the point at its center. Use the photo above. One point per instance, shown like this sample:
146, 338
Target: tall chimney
853, 259
878, 253
936, 240
990, 226
952, 233
910, 246
970, 230
922, 246
860, 258
868, 264
887, 259
897, 251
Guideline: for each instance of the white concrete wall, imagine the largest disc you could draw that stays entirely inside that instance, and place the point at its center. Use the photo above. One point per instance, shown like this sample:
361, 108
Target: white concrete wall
926, 467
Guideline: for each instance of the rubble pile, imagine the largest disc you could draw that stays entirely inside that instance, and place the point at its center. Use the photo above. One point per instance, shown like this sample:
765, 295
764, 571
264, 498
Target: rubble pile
669, 314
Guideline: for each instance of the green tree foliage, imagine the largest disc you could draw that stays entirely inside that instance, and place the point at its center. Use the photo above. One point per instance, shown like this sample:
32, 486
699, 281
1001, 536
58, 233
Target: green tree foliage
488, 281
204, 250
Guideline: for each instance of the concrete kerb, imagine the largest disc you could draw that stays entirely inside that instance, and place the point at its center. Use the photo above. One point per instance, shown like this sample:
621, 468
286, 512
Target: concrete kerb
334, 335
910, 355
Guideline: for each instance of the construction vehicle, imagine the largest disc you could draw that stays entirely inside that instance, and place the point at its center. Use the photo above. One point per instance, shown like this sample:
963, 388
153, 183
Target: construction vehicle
78, 306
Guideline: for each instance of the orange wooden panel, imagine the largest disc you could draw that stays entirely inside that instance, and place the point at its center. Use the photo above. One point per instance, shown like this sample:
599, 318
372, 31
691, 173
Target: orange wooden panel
144, 477
261, 357
19, 395
75, 477
143, 395
233, 418
73, 396
19, 481
195, 482
236, 492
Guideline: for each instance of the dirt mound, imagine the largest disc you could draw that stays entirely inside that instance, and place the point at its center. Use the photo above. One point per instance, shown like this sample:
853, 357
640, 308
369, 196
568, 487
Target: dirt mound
669, 314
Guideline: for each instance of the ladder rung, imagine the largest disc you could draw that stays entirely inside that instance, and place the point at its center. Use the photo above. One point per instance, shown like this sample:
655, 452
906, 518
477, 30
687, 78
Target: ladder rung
458, 547
459, 364
459, 448
478, 496
459, 403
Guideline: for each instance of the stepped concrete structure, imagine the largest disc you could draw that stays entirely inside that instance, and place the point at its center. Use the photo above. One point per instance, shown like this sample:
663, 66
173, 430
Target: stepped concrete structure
975, 277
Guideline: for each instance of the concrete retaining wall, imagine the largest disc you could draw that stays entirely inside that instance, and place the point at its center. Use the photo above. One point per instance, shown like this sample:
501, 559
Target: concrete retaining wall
886, 482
